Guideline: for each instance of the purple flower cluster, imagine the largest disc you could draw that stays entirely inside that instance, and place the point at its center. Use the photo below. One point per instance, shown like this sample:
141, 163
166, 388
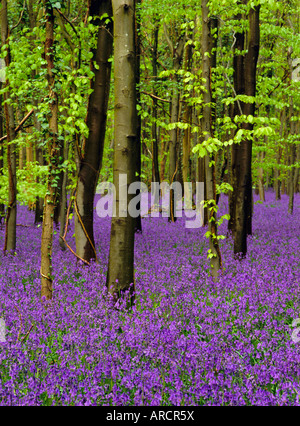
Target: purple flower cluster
189, 340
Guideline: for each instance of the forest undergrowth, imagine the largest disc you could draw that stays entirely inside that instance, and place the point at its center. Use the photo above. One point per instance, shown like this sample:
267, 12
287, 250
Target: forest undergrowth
189, 340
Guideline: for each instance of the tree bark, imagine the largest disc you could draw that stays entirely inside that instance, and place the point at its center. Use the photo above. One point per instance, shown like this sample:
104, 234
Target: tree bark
11, 216
138, 219
155, 166
90, 164
1, 153
53, 154
187, 118
245, 82
177, 56
120, 276
207, 44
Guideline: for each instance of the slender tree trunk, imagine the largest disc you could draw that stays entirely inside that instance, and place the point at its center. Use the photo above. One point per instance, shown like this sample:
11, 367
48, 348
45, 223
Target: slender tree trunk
63, 204
187, 118
277, 183
239, 86
53, 154
11, 218
173, 166
291, 146
260, 172
1, 154
120, 276
207, 43
90, 164
177, 55
155, 167
39, 203
59, 195
292, 160
296, 172
138, 219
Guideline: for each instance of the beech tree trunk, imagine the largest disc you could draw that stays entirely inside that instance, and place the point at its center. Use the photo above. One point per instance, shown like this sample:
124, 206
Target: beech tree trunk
207, 44
245, 83
120, 276
53, 161
90, 164
176, 50
11, 216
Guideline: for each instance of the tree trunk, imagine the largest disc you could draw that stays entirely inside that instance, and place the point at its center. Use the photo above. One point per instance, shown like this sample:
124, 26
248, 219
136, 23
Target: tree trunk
155, 167
90, 164
296, 172
11, 217
1, 154
120, 275
138, 219
260, 177
243, 158
53, 153
177, 54
39, 203
63, 204
207, 44
187, 118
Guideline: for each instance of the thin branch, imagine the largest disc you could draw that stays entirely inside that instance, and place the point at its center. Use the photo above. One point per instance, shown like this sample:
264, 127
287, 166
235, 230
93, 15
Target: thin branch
69, 22
20, 124
27, 334
21, 16
156, 97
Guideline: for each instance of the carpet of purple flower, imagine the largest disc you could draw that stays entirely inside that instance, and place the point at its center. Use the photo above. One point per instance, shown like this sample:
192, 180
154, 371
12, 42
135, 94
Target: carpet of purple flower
188, 341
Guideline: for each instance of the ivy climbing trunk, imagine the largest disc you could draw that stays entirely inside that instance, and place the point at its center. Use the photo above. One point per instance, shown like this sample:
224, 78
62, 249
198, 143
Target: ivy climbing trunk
11, 216
91, 162
53, 160
120, 276
207, 44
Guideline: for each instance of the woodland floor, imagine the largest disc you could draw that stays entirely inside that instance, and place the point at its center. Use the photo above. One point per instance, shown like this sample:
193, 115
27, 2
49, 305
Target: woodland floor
188, 341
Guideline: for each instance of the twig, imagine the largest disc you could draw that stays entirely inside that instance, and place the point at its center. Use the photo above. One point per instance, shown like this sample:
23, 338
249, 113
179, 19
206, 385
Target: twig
27, 334
156, 97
